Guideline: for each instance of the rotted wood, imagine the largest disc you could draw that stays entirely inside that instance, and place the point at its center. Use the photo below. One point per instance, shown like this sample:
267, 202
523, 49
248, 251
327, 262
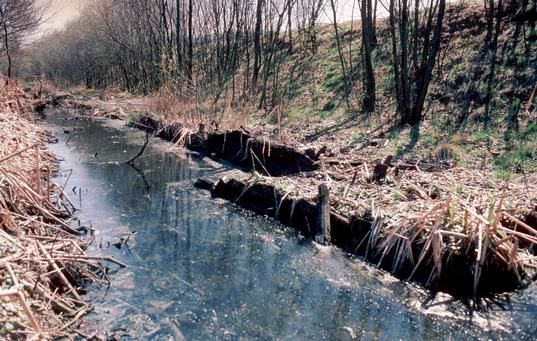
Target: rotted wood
323, 235
299, 213
263, 155
240, 147
380, 170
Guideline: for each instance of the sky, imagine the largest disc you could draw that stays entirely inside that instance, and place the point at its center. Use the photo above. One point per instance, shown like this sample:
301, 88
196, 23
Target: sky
59, 13
62, 11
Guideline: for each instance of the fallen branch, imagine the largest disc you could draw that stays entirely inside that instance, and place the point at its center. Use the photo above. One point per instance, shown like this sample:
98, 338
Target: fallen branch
141, 150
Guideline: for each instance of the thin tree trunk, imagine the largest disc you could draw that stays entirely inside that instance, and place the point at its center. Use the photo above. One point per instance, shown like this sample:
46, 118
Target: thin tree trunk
178, 35
374, 29
257, 41
290, 25
493, 62
340, 53
405, 91
190, 41
395, 60
8, 52
368, 104
423, 84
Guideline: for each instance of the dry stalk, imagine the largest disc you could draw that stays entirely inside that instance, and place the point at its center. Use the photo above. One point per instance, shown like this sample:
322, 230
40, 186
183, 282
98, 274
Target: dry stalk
37, 244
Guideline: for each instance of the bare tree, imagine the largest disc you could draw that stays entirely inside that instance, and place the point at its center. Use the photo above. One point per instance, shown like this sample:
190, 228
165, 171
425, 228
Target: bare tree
368, 41
426, 69
346, 84
257, 40
494, 22
190, 40
412, 80
178, 32
18, 18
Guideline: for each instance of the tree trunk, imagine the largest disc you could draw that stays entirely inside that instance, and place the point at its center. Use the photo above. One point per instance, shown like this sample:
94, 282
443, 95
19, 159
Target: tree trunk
489, 13
492, 73
423, 83
340, 53
257, 41
374, 24
290, 25
8, 53
322, 233
395, 59
178, 35
190, 41
405, 90
368, 104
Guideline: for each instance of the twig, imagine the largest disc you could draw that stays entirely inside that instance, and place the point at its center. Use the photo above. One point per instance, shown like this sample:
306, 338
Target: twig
18, 152
141, 150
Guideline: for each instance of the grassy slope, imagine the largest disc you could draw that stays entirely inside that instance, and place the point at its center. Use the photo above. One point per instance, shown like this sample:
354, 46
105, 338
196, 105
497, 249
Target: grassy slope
451, 129
314, 112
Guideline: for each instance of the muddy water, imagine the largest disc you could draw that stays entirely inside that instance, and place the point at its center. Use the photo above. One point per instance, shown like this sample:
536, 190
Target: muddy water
204, 269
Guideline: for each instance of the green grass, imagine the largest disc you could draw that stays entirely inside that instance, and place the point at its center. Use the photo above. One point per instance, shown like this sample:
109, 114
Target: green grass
333, 80
297, 114
521, 159
429, 139
399, 150
357, 138
296, 89
504, 175
329, 107
396, 195
133, 118
485, 135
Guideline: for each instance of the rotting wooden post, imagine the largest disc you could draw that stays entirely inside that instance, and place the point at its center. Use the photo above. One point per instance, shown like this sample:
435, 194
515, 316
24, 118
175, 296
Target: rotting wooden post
322, 234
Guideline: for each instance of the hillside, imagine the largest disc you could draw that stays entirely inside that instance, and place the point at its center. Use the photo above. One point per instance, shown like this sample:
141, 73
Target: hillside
314, 110
307, 98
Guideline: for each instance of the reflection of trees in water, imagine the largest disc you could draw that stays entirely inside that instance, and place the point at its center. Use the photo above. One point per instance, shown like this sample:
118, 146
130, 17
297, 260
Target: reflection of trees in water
141, 176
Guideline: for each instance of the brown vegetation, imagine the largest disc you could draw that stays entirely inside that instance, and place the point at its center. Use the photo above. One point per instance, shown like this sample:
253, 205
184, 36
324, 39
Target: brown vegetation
468, 247
43, 265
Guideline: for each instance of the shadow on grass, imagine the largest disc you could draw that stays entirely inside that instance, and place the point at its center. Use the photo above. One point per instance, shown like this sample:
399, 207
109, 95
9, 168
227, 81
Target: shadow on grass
347, 123
414, 138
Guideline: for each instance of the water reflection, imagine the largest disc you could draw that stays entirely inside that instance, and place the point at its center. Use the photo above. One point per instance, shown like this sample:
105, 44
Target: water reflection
203, 269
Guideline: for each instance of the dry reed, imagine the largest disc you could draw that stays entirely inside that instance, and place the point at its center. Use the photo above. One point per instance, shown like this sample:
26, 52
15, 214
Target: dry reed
43, 265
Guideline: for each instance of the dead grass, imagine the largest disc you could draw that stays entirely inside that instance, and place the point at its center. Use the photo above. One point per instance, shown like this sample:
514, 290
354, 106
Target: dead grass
445, 151
170, 105
43, 265
454, 226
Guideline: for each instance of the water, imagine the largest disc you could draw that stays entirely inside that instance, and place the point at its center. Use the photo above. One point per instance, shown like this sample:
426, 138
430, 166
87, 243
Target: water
203, 269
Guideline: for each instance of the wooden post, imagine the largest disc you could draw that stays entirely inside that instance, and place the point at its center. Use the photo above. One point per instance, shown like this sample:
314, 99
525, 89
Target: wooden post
322, 234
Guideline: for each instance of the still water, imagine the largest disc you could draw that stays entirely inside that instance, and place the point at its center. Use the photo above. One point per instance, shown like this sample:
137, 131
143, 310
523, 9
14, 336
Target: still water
203, 269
